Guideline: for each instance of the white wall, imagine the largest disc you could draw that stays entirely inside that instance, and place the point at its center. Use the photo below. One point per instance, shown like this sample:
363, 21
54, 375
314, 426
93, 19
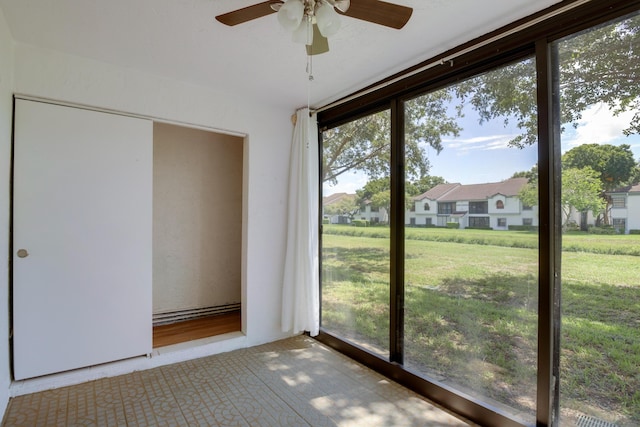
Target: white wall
197, 218
49, 74
633, 206
6, 107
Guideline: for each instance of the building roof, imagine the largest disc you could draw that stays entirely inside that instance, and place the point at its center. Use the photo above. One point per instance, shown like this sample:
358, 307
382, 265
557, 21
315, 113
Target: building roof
458, 192
336, 198
626, 189
437, 191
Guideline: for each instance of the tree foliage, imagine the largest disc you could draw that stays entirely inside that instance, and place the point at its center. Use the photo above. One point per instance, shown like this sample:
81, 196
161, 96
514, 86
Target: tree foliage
365, 143
614, 164
581, 190
531, 175
371, 188
382, 200
599, 66
345, 206
528, 194
505, 93
602, 66
423, 184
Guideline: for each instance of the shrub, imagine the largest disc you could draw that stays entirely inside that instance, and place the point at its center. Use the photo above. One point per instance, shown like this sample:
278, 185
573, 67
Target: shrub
326, 221
453, 225
634, 231
522, 228
572, 226
603, 229
360, 223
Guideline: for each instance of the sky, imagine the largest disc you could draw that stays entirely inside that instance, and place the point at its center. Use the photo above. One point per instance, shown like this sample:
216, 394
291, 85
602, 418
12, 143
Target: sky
481, 154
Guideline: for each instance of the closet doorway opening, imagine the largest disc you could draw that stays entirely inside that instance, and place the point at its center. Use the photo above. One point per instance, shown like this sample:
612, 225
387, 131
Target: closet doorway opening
197, 233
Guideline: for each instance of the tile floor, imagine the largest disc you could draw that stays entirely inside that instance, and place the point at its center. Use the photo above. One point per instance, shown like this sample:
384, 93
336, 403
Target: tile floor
294, 382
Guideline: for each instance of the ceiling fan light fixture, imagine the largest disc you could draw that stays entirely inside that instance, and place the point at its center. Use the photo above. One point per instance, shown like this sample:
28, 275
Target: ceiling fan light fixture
304, 33
342, 5
320, 43
290, 14
328, 19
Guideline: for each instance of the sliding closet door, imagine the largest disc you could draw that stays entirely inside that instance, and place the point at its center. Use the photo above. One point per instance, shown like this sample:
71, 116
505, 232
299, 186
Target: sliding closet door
82, 238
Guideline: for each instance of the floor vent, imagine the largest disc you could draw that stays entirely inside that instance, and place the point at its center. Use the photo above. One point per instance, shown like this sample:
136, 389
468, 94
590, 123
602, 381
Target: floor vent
193, 313
587, 421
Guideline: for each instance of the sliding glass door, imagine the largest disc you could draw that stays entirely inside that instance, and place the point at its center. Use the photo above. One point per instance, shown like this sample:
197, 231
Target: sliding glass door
599, 87
355, 231
471, 240
479, 235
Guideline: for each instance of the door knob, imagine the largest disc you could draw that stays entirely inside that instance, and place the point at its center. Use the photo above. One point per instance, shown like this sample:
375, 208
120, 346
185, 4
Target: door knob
22, 253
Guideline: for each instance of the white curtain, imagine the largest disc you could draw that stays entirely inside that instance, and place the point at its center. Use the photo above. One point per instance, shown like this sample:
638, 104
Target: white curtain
300, 292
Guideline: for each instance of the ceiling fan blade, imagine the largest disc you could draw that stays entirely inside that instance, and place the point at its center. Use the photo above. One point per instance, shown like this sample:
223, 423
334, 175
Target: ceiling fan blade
320, 43
379, 12
248, 13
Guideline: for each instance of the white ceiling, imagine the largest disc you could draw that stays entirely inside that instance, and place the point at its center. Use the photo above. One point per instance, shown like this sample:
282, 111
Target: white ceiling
180, 39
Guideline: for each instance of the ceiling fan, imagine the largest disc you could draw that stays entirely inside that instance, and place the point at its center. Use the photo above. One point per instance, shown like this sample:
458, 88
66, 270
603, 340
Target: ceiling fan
312, 21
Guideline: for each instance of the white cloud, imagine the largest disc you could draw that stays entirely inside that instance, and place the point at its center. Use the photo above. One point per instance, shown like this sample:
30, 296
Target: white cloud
347, 183
598, 125
483, 143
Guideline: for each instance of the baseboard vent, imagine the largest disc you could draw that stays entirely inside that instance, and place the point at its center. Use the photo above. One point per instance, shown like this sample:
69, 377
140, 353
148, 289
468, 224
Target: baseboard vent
587, 421
193, 313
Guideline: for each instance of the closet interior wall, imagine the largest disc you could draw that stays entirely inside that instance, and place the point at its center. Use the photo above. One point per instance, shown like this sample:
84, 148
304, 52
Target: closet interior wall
197, 221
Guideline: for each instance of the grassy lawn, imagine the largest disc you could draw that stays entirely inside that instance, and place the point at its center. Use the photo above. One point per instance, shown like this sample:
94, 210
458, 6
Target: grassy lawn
573, 242
471, 311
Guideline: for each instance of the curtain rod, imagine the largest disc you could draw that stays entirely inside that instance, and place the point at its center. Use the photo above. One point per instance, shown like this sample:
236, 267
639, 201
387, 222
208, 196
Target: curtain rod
450, 58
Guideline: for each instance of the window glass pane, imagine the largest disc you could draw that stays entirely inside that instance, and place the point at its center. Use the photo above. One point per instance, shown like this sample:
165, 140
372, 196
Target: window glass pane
471, 282
355, 238
599, 76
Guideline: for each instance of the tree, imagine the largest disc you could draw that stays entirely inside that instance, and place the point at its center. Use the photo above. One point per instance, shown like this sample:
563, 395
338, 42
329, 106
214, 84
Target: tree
345, 206
581, 190
423, 184
600, 66
382, 200
372, 187
364, 144
528, 194
614, 164
531, 175
505, 93
635, 175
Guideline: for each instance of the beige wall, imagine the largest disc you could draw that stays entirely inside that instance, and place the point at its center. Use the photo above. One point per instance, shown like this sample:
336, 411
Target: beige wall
197, 218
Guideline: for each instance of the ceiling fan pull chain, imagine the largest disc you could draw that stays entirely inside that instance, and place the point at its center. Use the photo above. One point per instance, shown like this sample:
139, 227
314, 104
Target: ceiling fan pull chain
310, 67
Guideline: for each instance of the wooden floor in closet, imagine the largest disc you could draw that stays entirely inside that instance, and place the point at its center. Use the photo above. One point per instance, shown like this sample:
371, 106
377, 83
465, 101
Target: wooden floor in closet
190, 330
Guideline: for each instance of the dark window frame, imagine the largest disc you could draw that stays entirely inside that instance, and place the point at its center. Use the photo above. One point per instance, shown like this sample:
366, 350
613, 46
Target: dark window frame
446, 208
619, 202
619, 223
483, 54
479, 207
479, 221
